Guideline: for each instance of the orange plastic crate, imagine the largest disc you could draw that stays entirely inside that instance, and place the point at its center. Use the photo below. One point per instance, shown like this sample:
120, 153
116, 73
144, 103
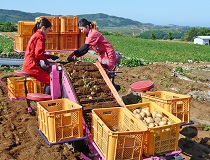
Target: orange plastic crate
17, 89
177, 104
60, 119
161, 139
69, 24
117, 133
68, 41
39, 87
55, 22
81, 38
52, 42
21, 42
25, 27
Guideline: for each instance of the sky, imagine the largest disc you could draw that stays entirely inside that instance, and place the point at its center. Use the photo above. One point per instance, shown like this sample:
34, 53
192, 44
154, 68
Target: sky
193, 13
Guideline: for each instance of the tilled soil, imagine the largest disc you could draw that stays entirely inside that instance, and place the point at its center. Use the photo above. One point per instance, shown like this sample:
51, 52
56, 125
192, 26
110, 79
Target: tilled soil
20, 140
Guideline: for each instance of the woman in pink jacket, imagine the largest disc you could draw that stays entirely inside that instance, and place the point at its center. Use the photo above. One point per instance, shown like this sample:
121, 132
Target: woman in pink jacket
97, 42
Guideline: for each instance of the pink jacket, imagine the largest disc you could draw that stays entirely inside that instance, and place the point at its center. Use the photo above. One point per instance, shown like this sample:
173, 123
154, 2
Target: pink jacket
101, 45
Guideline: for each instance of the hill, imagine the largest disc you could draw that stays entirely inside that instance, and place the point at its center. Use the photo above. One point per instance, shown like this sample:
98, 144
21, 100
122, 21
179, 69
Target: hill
105, 22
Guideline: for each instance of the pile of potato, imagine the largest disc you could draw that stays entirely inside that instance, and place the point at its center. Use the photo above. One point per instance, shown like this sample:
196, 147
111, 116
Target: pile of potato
153, 119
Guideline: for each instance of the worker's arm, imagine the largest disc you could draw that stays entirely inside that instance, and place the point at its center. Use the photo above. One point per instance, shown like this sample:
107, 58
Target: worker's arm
79, 52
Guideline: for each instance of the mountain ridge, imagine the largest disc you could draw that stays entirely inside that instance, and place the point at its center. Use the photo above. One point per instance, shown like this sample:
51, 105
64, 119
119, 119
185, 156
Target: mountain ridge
103, 20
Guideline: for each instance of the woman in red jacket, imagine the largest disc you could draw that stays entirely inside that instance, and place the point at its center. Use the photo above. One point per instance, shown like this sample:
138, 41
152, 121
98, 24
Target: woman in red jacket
35, 52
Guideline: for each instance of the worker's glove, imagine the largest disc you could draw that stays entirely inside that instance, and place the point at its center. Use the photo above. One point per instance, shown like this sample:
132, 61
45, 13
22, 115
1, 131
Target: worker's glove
45, 65
71, 59
46, 62
53, 57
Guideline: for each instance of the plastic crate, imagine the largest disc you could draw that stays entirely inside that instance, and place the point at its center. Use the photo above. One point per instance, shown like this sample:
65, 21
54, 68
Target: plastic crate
60, 119
117, 133
16, 89
160, 139
55, 23
177, 104
39, 87
52, 42
25, 27
21, 42
68, 41
81, 38
69, 24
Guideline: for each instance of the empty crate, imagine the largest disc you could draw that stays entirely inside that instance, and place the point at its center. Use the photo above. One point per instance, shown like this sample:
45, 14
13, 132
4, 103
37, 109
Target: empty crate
60, 120
117, 133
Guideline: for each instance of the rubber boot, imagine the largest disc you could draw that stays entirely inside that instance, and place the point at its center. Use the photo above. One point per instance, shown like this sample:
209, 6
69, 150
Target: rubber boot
117, 87
47, 89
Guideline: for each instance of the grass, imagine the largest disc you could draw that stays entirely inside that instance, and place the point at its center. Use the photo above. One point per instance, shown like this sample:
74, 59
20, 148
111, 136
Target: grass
159, 51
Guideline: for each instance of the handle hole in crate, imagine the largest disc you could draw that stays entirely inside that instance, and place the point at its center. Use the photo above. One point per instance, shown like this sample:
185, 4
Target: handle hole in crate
51, 104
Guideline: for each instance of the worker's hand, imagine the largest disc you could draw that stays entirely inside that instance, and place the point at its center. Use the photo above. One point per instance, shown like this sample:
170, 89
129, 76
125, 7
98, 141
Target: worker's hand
53, 57
71, 59
105, 67
47, 63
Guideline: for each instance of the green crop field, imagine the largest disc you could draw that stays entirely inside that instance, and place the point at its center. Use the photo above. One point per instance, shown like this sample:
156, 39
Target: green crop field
159, 51
6, 44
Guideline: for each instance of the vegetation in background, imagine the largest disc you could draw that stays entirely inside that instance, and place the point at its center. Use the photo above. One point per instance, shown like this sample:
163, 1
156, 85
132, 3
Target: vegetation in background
193, 32
6, 44
164, 33
159, 51
7, 27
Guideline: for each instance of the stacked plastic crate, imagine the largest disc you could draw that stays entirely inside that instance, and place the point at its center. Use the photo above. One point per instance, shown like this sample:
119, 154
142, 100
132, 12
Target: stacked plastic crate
69, 32
63, 35
52, 38
24, 34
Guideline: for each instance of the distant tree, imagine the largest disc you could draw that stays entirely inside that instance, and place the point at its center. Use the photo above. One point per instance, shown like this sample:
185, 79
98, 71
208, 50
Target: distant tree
165, 38
152, 36
170, 36
8, 27
193, 32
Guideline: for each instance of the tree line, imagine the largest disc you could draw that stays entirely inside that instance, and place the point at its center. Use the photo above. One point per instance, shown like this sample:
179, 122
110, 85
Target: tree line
8, 27
184, 35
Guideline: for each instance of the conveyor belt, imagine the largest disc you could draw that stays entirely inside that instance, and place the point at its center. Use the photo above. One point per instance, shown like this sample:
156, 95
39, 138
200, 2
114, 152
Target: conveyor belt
91, 88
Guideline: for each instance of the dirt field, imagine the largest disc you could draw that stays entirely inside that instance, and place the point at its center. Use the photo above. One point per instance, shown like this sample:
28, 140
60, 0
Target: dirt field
20, 140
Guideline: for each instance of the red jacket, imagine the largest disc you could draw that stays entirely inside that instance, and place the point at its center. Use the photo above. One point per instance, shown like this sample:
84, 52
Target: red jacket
35, 52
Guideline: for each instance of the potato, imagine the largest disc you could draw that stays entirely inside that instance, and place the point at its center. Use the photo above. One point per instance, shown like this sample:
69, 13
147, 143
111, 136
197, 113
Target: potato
149, 120
157, 120
154, 114
162, 123
148, 114
165, 119
143, 114
159, 115
151, 125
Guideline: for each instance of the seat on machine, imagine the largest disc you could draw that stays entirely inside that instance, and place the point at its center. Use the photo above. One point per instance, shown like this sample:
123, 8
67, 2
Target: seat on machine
33, 96
21, 73
38, 97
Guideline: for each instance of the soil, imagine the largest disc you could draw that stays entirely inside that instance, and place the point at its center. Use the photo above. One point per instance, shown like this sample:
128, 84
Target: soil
20, 140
